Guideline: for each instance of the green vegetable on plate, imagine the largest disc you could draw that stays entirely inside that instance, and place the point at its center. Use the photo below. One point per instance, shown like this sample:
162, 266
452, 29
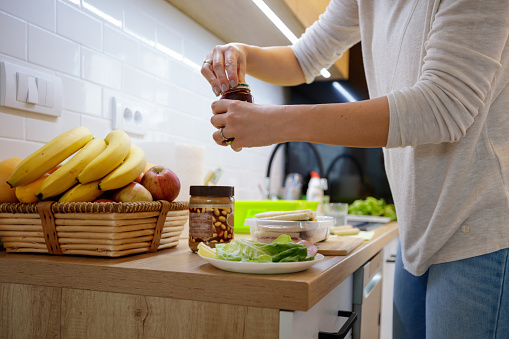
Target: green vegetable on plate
280, 250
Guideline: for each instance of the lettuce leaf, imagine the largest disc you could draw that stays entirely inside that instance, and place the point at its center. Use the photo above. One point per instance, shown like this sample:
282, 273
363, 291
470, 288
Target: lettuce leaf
280, 250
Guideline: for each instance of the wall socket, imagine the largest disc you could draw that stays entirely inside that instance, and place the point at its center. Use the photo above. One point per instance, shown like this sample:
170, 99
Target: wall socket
128, 115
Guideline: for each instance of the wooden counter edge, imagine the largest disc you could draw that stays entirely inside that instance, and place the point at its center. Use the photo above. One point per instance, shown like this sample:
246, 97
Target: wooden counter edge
258, 291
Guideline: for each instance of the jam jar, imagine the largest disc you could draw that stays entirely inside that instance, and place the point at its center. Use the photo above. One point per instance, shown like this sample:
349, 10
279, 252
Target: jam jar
210, 215
241, 92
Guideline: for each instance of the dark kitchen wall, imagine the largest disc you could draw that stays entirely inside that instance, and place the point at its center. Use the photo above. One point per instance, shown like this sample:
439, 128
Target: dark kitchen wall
352, 173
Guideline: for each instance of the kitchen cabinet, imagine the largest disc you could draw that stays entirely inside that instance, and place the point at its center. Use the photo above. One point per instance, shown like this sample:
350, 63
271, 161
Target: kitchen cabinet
172, 293
388, 289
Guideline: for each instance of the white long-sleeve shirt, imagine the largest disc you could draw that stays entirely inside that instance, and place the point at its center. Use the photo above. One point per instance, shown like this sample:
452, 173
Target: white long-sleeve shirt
444, 66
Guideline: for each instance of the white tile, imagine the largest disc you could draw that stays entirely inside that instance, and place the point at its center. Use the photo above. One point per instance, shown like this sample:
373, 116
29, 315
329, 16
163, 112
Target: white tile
154, 62
99, 127
137, 23
101, 69
120, 46
12, 126
13, 34
194, 52
137, 83
44, 130
49, 50
81, 96
109, 11
79, 27
38, 12
169, 38
10, 148
163, 93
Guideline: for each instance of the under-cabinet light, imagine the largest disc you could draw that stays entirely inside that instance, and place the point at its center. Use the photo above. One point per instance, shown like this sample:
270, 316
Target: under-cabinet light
343, 91
275, 20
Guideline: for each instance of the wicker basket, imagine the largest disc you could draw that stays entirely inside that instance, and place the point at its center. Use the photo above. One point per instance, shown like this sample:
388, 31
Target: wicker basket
96, 229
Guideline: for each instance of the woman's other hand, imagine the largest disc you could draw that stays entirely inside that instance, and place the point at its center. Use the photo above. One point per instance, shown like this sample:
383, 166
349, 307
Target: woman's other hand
225, 67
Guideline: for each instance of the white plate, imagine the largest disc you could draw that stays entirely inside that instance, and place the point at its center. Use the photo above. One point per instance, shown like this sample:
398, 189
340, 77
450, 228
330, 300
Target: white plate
263, 268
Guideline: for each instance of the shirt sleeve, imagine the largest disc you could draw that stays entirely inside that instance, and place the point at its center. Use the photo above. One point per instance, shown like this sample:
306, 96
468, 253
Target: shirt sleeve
464, 50
328, 38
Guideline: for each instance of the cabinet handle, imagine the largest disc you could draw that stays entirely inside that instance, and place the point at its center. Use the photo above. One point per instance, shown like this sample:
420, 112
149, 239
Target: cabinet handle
347, 326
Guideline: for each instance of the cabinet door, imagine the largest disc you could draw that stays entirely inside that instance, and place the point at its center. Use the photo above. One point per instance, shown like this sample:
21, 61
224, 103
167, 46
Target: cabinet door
323, 316
388, 289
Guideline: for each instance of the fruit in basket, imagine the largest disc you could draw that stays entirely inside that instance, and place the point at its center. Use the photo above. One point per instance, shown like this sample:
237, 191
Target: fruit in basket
132, 192
50, 155
64, 177
133, 165
162, 183
82, 193
7, 194
119, 145
147, 166
26, 193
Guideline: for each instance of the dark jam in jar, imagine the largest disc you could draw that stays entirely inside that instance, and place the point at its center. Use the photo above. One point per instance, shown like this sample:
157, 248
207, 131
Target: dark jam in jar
211, 218
241, 92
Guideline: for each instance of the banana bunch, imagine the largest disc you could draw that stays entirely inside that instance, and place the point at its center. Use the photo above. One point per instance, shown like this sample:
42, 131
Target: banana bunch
98, 165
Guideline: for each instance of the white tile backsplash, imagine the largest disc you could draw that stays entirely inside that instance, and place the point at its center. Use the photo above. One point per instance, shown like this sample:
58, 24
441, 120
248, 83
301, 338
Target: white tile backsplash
101, 69
12, 126
13, 35
81, 96
38, 12
53, 51
146, 51
71, 22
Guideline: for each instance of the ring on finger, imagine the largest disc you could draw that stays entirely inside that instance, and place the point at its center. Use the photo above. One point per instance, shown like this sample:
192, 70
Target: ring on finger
208, 61
221, 134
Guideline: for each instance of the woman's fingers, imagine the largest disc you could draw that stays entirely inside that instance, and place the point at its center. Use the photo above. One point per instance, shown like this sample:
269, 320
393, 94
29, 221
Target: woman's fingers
224, 68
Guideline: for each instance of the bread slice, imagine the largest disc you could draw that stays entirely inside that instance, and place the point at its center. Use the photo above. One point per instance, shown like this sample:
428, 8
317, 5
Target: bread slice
297, 215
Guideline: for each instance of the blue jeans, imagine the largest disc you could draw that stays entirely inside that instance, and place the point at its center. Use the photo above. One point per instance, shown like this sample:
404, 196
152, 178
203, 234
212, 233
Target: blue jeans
456, 300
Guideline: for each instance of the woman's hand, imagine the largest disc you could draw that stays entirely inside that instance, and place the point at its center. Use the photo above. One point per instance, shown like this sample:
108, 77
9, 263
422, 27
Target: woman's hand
225, 67
248, 124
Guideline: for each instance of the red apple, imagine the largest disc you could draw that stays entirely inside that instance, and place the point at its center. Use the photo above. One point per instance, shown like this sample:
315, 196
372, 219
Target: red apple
162, 183
132, 192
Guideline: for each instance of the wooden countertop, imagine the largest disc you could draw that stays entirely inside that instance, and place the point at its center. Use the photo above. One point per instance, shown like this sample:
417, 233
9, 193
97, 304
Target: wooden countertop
179, 273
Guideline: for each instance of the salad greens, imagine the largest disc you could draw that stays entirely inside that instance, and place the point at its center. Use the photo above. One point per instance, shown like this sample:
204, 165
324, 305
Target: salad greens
372, 206
280, 250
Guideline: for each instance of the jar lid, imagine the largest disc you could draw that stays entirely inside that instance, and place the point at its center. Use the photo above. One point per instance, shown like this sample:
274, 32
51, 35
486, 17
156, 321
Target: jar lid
211, 191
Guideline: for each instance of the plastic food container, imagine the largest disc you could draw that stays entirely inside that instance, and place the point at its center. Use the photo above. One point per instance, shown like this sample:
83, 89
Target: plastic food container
266, 231
245, 209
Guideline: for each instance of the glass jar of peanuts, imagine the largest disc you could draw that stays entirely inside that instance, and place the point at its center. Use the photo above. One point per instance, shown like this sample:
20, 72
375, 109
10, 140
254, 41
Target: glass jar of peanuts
210, 215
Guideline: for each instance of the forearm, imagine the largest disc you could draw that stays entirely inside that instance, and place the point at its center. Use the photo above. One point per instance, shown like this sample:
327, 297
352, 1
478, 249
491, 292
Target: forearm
275, 65
356, 124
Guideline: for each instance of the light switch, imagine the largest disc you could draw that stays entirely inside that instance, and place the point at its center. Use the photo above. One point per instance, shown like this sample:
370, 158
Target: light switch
33, 94
26, 88
41, 89
50, 95
22, 87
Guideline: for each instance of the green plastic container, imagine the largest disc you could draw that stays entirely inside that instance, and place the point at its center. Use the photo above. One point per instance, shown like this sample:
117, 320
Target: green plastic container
247, 209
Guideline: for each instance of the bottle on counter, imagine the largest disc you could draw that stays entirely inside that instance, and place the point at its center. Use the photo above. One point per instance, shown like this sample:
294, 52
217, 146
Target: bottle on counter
315, 191
211, 215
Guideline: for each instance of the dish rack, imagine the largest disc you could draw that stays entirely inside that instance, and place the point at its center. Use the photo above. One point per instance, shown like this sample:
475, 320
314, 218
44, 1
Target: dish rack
94, 229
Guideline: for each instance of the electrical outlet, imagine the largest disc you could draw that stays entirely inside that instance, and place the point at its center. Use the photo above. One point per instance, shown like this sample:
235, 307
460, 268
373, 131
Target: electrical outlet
128, 115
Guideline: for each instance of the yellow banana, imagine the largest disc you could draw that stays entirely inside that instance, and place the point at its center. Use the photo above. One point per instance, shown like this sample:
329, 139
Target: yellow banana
50, 155
65, 176
82, 192
129, 170
119, 145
